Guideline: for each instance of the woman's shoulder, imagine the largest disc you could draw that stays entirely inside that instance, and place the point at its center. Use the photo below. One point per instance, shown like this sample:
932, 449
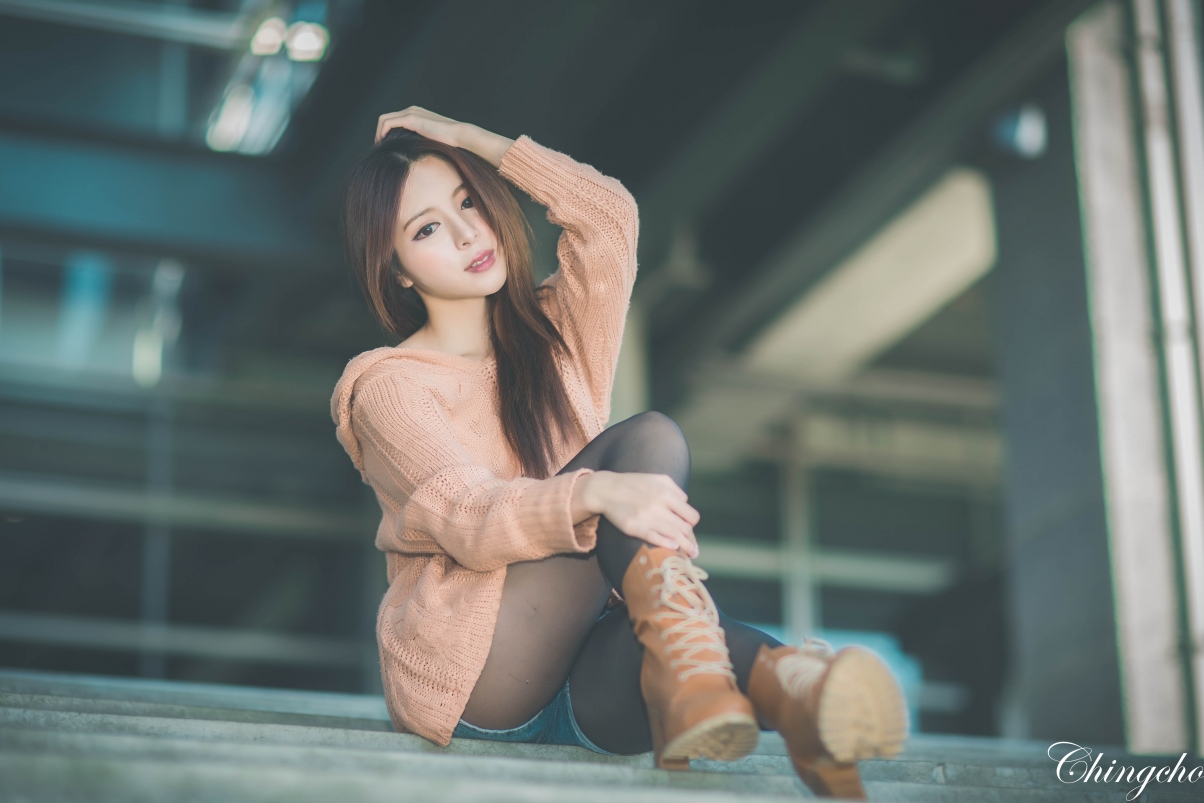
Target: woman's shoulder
405, 370
383, 381
365, 368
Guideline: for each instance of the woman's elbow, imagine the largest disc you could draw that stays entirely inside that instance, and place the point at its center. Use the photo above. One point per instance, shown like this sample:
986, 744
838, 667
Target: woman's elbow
475, 560
628, 211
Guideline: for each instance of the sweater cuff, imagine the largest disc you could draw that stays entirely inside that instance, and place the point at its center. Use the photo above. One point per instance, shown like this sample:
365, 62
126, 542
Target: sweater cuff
552, 519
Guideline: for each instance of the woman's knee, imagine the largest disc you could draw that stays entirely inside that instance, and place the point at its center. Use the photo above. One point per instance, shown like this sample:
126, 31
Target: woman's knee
653, 427
655, 440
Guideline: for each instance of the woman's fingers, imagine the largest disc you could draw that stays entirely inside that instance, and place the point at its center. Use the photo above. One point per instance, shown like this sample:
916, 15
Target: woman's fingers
674, 542
391, 120
685, 510
420, 120
405, 119
681, 533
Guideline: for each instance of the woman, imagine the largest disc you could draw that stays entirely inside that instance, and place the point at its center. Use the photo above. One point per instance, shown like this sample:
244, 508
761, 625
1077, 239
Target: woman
515, 524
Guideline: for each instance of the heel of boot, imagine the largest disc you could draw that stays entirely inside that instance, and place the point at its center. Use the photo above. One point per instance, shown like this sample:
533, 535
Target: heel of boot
724, 737
658, 745
863, 713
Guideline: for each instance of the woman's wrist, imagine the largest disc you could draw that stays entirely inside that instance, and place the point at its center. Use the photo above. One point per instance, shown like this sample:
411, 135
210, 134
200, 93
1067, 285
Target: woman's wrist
587, 499
489, 146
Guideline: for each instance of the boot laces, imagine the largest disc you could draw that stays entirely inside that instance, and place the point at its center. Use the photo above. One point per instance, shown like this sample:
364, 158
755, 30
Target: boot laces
681, 590
797, 671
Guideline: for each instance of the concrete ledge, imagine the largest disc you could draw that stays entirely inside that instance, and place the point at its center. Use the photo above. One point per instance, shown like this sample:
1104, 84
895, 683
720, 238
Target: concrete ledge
163, 744
57, 731
207, 695
53, 778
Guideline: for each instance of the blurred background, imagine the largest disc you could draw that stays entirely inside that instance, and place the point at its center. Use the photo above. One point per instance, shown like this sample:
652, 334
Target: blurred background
918, 279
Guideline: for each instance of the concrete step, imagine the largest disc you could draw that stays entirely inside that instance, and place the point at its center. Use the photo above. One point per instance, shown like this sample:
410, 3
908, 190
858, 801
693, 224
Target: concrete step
366, 711
78, 737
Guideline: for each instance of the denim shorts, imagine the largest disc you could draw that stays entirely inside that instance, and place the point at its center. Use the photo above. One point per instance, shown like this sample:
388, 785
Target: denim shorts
554, 724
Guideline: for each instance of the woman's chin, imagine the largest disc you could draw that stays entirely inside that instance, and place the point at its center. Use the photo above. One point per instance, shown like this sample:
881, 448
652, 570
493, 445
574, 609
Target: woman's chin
491, 280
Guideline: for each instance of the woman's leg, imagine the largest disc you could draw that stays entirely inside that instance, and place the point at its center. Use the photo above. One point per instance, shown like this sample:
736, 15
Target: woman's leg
549, 608
604, 682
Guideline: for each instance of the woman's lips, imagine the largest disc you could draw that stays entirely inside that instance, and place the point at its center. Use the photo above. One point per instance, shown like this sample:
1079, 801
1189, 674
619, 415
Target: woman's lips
484, 265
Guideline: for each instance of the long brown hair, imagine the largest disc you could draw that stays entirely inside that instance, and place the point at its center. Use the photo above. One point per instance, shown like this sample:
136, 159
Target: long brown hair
531, 395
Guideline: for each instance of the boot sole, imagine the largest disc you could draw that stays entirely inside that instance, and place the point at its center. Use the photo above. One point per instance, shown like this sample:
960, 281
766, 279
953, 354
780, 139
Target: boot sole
725, 737
862, 712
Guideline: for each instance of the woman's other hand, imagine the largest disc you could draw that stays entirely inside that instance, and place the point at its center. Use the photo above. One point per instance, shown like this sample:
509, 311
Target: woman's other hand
489, 146
650, 507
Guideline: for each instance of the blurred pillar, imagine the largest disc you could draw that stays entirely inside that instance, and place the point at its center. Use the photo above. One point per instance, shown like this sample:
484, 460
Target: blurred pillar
1176, 334
156, 538
800, 593
1066, 667
1125, 332
1099, 359
84, 308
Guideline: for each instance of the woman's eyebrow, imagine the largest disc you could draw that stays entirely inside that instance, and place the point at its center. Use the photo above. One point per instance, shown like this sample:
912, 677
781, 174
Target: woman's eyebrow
428, 209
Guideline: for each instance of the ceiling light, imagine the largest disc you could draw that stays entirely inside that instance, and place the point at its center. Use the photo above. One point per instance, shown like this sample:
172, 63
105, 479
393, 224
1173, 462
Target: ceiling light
228, 128
306, 41
269, 37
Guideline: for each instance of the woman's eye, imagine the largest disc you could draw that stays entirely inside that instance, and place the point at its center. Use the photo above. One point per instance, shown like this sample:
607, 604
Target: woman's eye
419, 235
467, 200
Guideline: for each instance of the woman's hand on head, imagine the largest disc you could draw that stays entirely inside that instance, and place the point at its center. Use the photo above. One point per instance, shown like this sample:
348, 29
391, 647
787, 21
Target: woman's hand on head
427, 123
489, 146
650, 507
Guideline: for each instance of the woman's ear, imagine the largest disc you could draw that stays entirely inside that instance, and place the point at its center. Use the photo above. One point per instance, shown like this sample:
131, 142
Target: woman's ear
400, 275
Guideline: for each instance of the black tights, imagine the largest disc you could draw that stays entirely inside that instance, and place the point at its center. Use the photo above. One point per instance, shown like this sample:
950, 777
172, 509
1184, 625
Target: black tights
548, 627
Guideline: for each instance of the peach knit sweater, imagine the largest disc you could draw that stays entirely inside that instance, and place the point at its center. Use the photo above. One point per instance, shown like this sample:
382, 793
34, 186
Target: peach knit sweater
423, 428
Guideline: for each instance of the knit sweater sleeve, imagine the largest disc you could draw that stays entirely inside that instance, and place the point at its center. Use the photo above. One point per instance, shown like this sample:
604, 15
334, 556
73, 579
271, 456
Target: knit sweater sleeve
447, 503
591, 290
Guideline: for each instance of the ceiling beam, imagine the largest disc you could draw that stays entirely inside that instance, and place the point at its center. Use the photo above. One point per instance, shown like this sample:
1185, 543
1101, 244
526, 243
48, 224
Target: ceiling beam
908, 271
748, 123
183, 203
887, 183
167, 22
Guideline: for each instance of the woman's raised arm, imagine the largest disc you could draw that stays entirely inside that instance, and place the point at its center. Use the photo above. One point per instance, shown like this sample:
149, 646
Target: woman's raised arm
591, 290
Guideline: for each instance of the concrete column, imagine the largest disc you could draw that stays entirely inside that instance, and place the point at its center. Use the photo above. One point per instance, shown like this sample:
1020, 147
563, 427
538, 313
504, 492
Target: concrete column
1131, 432
801, 614
1066, 670
156, 537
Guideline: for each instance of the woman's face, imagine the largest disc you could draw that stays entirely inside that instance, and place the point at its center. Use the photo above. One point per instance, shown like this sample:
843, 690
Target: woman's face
446, 248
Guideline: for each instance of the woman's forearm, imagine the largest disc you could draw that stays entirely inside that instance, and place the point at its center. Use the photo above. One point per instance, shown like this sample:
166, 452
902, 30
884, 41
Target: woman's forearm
489, 146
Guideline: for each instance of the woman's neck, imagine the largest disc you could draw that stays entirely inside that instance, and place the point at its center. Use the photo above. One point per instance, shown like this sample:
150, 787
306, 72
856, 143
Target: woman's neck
459, 327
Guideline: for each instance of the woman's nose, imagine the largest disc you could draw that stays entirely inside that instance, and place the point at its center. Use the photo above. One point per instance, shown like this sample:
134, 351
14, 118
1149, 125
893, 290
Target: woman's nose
468, 234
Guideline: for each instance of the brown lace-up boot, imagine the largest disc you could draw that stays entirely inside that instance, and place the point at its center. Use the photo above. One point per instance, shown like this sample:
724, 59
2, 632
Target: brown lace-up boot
832, 708
695, 709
